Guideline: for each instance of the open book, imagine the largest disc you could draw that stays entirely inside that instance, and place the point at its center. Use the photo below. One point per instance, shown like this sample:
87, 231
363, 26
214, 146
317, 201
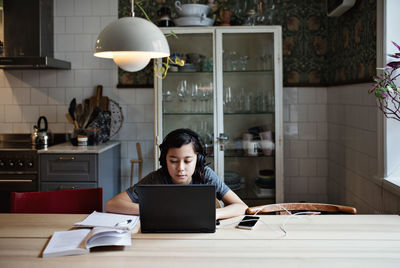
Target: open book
80, 241
109, 220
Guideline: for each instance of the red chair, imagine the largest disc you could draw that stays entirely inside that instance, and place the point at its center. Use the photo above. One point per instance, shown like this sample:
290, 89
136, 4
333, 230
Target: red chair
80, 201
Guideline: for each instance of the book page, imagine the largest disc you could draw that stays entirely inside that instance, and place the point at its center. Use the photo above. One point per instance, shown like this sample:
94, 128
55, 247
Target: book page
104, 230
111, 220
66, 243
109, 237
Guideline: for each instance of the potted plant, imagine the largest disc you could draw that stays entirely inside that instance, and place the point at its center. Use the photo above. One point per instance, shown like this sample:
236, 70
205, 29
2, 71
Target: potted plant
386, 91
222, 12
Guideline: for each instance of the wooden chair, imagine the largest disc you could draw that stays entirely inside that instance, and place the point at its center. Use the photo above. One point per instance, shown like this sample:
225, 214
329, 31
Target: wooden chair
138, 161
79, 201
295, 207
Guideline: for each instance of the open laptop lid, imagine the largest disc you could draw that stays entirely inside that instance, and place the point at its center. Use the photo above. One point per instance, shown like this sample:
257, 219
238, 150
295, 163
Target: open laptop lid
173, 208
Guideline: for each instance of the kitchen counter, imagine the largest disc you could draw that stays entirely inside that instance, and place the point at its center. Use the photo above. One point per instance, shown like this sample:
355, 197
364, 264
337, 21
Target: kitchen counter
68, 148
64, 166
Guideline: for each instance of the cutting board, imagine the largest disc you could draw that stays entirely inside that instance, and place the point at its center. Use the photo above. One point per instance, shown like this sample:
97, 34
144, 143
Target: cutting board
99, 100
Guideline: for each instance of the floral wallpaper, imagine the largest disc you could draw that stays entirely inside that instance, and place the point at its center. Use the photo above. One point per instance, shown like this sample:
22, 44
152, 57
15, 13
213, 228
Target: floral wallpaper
352, 44
317, 49
304, 41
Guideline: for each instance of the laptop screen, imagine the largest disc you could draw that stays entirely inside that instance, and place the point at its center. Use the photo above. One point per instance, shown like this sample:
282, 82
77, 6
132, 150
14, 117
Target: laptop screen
174, 208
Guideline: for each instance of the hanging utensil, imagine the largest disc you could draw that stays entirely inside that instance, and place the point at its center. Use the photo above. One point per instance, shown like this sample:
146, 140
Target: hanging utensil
71, 111
86, 113
93, 116
78, 114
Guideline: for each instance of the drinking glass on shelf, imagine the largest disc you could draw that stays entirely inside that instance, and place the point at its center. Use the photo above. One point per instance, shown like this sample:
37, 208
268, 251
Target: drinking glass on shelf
207, 97
243, 62
234, 64
194, 95
262, 101
228, 100
248, 102
167, 98
227, 61
271, 101
266, 59
181, 90
233, 60
241, 100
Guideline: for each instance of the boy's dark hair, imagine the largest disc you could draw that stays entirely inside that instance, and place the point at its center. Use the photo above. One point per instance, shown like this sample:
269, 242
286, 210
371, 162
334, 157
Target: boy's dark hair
176, 139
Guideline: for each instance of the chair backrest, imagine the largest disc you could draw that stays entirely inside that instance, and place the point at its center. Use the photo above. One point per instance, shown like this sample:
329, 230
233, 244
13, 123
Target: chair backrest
217, 203
294, 207
80, 201
139, 161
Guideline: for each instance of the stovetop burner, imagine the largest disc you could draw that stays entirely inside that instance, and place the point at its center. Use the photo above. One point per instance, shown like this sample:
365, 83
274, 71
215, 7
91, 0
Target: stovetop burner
16, 146
18, 142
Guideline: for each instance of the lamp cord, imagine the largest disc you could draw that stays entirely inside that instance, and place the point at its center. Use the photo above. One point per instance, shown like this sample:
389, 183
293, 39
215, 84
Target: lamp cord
132, 4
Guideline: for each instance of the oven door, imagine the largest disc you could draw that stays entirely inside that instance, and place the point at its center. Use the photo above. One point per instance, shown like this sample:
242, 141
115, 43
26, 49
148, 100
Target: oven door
15, 183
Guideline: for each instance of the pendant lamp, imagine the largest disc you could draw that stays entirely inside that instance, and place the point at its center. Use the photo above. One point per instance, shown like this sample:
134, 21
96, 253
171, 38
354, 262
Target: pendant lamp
131, 42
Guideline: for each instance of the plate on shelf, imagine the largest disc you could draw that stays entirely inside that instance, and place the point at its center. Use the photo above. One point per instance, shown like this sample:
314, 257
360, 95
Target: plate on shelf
193, 21
235, 186
188, 67
263, 193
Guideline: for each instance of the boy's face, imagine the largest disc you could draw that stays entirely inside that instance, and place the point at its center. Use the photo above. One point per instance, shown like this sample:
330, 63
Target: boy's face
181, 163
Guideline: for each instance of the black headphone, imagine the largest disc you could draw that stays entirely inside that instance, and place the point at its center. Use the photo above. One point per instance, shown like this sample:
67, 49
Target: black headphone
201, 154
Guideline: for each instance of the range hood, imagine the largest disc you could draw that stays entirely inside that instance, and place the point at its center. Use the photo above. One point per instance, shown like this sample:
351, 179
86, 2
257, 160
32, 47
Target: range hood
29, 36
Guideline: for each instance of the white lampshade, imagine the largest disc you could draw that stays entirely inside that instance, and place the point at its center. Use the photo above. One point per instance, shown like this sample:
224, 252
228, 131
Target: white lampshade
131, 42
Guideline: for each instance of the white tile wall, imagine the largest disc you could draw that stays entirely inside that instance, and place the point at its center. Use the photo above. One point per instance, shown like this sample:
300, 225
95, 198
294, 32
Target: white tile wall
305, 151
352, 152
27, 94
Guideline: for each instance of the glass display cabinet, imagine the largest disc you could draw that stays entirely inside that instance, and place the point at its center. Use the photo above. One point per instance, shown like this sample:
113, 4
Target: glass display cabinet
230, 92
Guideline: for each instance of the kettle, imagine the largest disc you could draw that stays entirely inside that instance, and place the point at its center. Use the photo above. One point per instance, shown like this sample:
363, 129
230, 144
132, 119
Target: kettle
34, 135
42, 135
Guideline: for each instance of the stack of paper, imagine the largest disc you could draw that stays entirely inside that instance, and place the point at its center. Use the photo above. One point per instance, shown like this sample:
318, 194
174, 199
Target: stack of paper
109, 220
109, 230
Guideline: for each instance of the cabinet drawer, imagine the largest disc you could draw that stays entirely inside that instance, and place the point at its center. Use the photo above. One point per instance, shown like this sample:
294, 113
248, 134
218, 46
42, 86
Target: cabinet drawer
51, 186
68, 167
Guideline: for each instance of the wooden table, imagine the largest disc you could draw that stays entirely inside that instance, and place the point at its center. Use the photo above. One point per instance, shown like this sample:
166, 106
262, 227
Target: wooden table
310, 241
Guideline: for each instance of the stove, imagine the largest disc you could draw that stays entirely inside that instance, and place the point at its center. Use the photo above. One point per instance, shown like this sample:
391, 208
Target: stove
19, 167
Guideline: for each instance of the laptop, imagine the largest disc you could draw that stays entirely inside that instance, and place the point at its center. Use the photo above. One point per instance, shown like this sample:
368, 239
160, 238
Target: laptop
173, 208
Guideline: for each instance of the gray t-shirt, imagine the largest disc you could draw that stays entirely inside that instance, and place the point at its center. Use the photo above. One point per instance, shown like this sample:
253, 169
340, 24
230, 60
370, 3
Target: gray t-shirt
158, 177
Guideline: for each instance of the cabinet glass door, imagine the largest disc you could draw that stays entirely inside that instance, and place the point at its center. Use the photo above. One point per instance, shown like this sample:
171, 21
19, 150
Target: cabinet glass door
188, 91
248, 109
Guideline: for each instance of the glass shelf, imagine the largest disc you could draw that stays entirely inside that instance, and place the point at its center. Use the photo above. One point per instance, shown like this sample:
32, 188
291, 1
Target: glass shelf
245, 156
225, 72
249, 71
197, 113
248, 156
192, 113
241, 113
242, 155
185, 73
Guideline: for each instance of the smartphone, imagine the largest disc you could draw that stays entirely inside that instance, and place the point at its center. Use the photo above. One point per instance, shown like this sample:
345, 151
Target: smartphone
248, 222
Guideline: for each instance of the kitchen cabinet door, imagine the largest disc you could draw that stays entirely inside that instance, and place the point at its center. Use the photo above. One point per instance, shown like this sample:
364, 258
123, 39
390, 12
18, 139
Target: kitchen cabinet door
230, 92
185, 98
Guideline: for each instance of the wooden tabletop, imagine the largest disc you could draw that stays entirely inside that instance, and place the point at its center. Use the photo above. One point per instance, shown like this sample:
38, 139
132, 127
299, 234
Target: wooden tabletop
310, 241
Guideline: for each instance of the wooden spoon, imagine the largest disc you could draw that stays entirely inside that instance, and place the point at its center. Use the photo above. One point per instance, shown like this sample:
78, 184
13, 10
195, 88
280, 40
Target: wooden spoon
78, 114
